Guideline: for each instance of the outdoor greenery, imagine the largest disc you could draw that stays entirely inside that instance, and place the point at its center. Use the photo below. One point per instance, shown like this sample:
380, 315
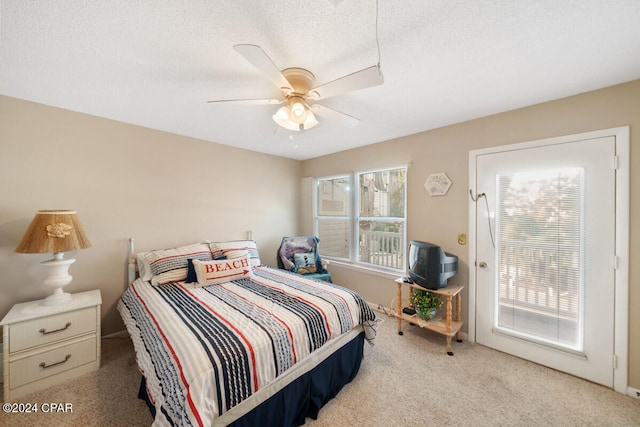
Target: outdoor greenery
397, 192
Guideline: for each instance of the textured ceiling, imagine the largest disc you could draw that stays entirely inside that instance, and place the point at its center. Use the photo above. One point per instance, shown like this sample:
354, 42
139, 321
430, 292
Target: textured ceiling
156, 63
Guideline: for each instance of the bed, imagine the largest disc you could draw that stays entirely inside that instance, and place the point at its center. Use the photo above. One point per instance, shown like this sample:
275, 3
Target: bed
221, 339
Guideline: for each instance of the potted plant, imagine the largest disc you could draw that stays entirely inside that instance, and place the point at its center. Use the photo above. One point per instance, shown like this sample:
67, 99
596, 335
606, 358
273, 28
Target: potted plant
425, 303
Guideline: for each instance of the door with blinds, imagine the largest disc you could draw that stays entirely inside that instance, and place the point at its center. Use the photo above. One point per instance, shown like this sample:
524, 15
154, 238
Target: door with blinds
545, 227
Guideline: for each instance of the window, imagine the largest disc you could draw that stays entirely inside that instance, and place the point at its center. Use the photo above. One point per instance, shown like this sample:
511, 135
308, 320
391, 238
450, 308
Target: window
333, 218
366, 226
541, 254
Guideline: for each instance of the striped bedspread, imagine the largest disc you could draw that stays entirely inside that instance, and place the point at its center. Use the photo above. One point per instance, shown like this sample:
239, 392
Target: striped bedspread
203, 350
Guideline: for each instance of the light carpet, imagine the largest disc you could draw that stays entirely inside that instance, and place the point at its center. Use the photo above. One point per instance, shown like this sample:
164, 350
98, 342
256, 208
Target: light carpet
404, 381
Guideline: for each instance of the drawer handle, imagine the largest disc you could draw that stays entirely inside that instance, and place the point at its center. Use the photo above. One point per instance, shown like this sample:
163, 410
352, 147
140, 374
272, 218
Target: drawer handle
43, 331
45, 366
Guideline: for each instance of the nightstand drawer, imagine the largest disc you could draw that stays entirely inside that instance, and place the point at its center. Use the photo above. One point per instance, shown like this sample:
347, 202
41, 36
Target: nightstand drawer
55, 361
56, 327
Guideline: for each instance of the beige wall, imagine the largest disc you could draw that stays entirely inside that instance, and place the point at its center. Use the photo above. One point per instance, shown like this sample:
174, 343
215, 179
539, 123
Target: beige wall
128, 181
440, 219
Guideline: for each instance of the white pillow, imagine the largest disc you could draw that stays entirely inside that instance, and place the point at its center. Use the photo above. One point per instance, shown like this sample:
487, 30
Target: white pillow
224, 270
144, 270
236, 249
170, 265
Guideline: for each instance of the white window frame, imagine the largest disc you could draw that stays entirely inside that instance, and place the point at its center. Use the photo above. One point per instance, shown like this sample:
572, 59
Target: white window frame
317, 217
354, 221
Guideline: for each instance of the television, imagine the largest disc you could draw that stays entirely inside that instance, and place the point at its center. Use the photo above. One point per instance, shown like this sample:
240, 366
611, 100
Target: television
430, 266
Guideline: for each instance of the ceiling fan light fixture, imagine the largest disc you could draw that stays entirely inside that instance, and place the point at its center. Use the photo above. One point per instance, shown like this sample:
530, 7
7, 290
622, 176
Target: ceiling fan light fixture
282, 114
282, 118
310, 121
295, 116
298, 111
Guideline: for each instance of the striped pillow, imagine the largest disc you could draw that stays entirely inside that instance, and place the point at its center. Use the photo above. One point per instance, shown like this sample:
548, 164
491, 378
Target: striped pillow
170, 265
236, 249
224, 270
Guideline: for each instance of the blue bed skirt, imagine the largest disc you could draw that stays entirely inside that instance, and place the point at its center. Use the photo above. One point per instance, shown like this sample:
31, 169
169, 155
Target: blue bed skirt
306, 395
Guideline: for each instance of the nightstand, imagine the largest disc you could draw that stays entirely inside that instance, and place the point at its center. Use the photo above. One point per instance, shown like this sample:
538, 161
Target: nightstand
46, 345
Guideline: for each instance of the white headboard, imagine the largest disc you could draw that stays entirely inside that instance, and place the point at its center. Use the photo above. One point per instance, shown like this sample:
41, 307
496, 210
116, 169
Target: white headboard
132, 267
132, 263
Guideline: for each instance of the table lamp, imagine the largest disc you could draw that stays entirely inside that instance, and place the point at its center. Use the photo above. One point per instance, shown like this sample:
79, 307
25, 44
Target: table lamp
55, 231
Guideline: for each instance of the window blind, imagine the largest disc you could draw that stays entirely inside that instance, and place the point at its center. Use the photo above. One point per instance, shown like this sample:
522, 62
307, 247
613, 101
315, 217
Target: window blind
540, 250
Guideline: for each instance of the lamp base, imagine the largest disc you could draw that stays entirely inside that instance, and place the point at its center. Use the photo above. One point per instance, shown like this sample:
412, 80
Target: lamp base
57, 298
58, 278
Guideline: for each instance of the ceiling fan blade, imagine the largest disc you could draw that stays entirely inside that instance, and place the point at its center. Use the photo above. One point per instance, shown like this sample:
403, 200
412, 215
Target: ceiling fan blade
368, 77
250, 101
259, 59
331, 114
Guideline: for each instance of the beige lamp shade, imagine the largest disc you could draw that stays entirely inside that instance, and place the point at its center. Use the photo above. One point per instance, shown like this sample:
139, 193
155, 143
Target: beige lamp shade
53, 231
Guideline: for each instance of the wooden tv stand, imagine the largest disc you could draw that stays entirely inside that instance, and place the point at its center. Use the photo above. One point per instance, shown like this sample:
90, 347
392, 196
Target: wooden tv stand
450, 328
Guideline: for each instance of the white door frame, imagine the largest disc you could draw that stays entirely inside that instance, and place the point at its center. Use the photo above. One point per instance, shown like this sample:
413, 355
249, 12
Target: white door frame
621, 297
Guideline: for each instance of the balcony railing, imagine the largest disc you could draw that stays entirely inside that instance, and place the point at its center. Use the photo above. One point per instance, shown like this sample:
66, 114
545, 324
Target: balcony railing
540, 278
381, 248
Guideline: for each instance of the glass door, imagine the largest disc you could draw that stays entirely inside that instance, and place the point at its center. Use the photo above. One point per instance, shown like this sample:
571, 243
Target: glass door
545, 228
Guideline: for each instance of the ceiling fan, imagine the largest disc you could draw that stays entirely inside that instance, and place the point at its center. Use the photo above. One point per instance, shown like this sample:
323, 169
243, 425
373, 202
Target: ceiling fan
299, 92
